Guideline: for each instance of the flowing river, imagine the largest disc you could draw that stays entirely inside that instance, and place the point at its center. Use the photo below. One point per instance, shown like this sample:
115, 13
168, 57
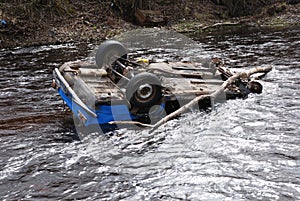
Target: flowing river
242, 150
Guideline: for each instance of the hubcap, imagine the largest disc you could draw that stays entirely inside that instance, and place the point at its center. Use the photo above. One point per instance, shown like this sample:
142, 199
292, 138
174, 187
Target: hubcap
145, 91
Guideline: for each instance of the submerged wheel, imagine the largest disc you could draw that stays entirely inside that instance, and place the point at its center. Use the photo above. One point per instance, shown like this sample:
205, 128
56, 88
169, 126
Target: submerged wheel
255, 87
144, 90
109, 51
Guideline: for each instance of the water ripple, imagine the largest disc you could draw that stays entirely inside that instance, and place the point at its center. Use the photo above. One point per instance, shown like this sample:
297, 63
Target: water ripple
243, 150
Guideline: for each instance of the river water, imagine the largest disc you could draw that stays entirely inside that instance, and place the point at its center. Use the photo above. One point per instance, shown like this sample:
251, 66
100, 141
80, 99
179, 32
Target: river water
243, 150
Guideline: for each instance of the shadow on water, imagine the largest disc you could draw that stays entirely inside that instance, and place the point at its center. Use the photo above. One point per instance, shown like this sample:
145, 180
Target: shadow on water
243, 150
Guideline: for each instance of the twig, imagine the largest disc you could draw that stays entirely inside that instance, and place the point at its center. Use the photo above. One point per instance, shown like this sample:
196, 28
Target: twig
130, 123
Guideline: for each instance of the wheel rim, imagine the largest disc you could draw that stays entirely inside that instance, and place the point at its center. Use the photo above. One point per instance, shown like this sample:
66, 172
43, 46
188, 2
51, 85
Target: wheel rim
145, 91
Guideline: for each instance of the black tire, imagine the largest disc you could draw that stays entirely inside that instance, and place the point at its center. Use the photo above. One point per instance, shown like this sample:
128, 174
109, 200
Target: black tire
109, 51
143, 90
255, 87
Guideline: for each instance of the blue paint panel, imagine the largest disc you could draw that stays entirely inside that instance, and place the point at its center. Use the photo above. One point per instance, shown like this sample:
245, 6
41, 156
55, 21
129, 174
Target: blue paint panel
105, 113
67, 100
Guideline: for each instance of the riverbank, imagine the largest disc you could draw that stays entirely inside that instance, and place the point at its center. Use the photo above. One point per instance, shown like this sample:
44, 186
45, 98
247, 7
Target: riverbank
30, 24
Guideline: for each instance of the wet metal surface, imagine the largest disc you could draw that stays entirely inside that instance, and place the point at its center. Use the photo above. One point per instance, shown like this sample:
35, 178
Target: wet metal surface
243, 150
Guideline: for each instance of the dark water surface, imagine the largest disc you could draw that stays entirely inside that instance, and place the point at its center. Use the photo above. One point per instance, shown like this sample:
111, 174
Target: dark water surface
244, 150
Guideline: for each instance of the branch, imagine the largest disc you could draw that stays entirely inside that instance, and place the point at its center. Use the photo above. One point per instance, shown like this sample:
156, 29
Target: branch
213, 95
221, 25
